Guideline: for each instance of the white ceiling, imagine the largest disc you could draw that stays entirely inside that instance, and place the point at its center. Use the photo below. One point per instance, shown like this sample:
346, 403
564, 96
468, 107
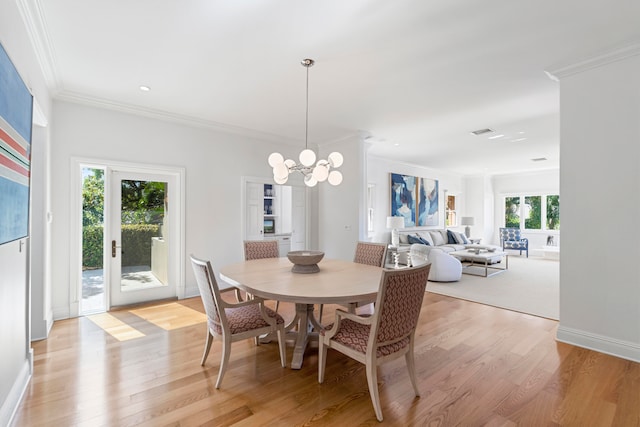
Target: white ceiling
420, 74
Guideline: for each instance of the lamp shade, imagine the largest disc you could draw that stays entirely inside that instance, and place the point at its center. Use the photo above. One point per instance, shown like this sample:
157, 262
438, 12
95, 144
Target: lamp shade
466, 220
394, 222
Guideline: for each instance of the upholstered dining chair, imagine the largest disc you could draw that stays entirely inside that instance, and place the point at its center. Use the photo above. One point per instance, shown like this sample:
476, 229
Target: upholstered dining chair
259, 249
233, 322
510, 238
386, 335
366, 253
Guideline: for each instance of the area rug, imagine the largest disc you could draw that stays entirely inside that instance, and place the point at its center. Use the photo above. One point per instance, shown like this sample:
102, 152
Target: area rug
530, 285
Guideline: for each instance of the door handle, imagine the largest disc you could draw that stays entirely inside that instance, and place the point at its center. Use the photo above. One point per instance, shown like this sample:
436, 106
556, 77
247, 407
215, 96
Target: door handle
113, 248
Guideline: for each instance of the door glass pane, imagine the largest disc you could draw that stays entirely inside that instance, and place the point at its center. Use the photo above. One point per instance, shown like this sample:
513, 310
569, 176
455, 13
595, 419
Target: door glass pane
512, 212
144, 240
93, 296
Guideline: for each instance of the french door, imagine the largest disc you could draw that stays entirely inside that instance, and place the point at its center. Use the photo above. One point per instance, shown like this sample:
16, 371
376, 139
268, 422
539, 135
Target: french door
141, 243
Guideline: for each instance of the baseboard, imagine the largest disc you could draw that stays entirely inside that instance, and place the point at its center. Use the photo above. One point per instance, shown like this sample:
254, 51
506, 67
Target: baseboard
11, 403
600, 343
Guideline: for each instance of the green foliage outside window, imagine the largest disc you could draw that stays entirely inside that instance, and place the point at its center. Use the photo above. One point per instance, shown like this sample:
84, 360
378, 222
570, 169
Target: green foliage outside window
512, 212
553, 212
533, 221
93, 197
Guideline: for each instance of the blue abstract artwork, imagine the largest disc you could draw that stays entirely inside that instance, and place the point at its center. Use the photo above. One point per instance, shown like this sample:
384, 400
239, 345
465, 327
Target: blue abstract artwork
428, 202
16, 104
403, 198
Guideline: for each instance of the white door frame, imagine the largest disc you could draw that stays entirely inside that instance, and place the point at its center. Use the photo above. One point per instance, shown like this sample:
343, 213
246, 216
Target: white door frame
177, 255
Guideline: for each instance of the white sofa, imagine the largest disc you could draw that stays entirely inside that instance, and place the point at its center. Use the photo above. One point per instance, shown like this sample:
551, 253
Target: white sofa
445, 240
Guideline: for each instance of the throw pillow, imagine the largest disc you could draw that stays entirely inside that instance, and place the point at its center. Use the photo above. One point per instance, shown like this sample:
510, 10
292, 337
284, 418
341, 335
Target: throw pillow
451, 238
461, 239
404, 238
414, 239
426, 237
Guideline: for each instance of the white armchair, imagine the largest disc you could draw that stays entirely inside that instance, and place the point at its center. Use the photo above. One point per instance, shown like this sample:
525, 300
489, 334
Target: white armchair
444, 267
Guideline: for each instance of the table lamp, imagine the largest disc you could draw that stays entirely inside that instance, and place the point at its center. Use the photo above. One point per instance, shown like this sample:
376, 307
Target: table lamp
394, 223
467, 220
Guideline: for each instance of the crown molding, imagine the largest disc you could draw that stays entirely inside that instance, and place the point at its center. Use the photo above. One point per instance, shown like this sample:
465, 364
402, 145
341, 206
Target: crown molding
79, 98
622, 52
36, 27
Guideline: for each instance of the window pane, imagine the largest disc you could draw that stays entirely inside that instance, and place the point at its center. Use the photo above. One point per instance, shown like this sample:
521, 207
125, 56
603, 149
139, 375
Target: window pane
512, 212
533, 212
553, 212
451, 211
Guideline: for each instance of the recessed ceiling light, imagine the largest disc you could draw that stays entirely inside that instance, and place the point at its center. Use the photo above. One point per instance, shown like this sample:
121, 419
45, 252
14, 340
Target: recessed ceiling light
397, 144
145, 88
518, 139
482, 131
539, 159
496, 136
521, 132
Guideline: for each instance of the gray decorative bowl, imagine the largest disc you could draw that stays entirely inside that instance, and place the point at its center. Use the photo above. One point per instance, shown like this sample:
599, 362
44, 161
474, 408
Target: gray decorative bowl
305, 262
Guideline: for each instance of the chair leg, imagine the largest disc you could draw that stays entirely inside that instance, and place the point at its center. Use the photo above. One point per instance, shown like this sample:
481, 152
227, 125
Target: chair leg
372, 381
411, 366
283, 348
207, 347
277, 305
224, 362
320, 314
322, 358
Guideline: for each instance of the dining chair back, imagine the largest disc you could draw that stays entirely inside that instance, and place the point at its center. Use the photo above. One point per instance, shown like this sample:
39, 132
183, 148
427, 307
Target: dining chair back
258, 249
371, 253
366, 253
233, 322
386, 335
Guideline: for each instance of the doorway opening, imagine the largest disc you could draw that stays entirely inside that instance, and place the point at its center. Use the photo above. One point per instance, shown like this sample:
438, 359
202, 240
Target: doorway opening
131, 236
93, 278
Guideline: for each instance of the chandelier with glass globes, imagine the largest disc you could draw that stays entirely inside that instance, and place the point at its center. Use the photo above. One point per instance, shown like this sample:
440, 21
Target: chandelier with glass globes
312, 170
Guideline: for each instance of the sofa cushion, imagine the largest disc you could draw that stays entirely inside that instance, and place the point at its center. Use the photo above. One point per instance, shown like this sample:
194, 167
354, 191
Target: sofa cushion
404, 238
437, 238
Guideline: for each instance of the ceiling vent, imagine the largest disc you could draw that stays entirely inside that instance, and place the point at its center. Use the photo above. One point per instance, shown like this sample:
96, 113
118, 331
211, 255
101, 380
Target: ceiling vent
539, 159
482, 131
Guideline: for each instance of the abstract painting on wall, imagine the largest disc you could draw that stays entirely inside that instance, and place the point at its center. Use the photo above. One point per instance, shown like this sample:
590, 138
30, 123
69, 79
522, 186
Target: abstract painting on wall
16, 109
403, 198
427, 201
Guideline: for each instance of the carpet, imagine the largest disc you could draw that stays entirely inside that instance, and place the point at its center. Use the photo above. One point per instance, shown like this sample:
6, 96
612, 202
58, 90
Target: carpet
530, 285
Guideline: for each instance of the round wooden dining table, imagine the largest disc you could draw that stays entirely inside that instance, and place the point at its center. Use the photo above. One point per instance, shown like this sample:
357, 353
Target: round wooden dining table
337, 282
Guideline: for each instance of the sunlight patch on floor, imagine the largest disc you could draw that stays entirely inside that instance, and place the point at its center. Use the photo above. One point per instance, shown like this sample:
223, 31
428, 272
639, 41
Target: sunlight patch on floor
115, 327
170, 316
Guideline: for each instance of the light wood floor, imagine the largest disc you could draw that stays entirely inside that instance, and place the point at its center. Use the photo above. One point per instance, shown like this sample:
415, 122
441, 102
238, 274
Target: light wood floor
476, 365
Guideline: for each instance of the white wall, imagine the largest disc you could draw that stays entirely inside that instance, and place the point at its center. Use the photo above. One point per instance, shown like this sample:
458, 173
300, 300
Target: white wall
340, 207
15, 290
600, 186
214, 164
378, 173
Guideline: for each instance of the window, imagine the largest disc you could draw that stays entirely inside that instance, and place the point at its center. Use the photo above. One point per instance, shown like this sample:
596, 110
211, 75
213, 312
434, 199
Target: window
452, 219
532, 212
512, 212
371, 188
553, 212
